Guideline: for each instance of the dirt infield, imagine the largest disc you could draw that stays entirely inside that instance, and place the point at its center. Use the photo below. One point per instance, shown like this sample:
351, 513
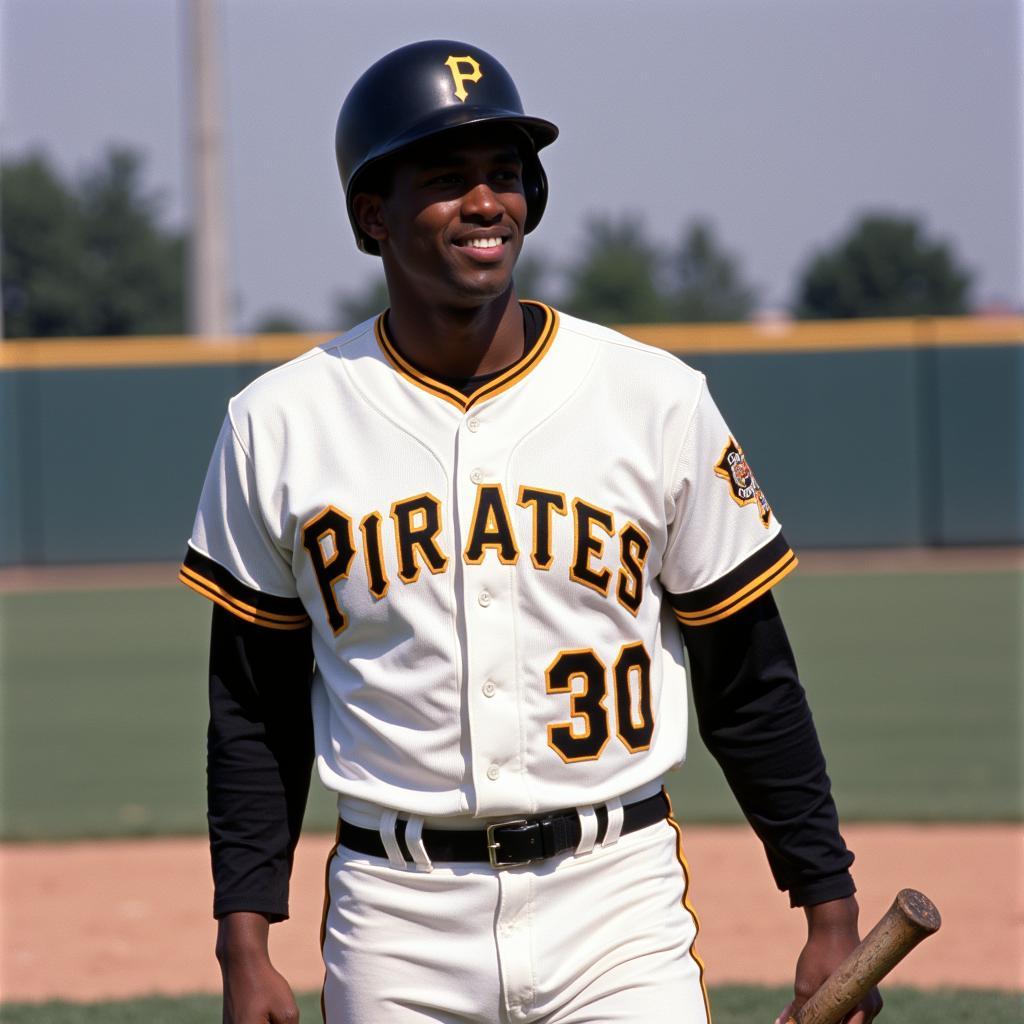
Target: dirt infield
115, 919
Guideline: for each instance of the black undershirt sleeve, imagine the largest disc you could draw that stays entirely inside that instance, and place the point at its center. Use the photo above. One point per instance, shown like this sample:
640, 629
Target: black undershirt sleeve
259, 758
753, 716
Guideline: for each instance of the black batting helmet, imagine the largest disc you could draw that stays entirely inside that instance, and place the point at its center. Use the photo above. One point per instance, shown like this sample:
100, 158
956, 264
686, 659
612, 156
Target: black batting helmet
422, 90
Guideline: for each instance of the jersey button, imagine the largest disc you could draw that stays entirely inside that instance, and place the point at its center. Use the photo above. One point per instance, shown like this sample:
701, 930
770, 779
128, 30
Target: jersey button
493, 772
473, 425
489, 689
484, 598
476, 476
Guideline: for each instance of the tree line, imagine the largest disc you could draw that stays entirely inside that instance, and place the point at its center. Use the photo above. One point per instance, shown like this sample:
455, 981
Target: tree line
90, 256
93, 255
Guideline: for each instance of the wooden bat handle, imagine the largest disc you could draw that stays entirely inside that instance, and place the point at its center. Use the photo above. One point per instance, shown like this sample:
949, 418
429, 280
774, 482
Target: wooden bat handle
911, 918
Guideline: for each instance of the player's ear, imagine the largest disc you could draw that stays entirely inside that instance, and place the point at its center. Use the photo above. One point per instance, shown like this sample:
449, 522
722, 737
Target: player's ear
369, 213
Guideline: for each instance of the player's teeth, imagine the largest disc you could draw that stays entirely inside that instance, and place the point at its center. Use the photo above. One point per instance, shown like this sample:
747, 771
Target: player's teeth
483, 243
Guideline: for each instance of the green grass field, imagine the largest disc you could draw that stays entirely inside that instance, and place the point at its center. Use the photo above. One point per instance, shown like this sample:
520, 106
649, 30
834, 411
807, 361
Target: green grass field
916, 685
915, 681
732, 1005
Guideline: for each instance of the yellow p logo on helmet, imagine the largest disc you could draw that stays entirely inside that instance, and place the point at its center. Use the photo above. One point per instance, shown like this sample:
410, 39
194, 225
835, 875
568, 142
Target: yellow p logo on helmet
473, 75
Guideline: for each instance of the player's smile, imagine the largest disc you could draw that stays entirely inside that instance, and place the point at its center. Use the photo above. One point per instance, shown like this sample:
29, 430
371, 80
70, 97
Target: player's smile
486, 246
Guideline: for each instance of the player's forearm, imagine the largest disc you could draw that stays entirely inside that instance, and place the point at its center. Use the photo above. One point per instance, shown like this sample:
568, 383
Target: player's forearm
754, 718
251, 856
259, 756
782, 787
833, 915
242, 936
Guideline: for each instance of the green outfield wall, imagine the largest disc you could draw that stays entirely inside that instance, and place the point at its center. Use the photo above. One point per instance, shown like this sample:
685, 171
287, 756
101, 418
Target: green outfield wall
863, 433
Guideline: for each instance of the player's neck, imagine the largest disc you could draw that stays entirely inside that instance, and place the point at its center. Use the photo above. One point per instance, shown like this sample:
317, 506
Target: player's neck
458, 342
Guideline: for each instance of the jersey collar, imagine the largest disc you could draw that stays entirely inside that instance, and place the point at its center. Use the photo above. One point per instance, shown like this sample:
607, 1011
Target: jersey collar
515, 373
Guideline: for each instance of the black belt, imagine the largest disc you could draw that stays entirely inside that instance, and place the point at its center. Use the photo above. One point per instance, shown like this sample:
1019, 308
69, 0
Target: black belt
507, 844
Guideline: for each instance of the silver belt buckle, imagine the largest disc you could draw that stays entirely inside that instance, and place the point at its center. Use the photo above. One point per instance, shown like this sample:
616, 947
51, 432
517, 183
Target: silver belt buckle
493, 845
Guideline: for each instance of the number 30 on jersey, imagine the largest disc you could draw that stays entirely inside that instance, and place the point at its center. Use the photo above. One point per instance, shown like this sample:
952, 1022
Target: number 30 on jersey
631, 680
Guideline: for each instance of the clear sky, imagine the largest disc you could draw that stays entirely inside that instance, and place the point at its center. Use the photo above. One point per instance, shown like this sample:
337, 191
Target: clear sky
778, 120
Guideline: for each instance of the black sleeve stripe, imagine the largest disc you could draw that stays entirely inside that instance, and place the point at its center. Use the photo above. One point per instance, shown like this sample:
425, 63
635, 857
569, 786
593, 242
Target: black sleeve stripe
201, 587
206, 577
750, 593
737, 588
257, 600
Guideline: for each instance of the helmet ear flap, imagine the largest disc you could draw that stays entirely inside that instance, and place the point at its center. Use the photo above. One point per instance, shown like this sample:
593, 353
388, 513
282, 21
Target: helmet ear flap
535, 188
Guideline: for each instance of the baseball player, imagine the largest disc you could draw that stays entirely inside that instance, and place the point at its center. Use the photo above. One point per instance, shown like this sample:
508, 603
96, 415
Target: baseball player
455, 555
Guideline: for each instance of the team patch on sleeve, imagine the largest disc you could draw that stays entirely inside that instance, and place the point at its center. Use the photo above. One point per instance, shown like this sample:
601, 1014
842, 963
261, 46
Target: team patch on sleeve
732, 467
207, 577
736, 589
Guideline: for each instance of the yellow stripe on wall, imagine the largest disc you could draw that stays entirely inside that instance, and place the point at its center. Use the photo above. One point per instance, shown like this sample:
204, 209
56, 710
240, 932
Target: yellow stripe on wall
831, 335
160, 350
702, 339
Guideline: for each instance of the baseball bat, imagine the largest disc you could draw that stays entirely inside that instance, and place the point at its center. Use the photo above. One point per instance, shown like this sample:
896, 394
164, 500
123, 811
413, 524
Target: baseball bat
911, 918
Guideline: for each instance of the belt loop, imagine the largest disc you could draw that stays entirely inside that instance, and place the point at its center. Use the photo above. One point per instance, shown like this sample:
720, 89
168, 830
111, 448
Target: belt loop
614, 829
588, 829
414, 840
386, 826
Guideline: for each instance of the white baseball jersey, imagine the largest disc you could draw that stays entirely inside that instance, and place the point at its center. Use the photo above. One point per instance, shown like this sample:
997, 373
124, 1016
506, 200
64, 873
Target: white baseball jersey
493, 581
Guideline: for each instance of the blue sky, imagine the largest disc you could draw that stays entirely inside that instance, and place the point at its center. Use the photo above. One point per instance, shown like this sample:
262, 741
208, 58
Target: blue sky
777, 120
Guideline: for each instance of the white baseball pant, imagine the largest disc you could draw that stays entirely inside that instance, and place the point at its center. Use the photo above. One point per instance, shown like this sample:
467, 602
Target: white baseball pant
598, 937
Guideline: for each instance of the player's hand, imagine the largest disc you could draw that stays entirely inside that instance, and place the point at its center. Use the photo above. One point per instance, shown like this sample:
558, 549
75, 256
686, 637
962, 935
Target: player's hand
254, 992
831, 936
258, 994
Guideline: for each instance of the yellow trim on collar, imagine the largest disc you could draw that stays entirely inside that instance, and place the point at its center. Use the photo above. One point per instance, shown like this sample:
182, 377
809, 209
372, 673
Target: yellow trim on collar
516, 372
